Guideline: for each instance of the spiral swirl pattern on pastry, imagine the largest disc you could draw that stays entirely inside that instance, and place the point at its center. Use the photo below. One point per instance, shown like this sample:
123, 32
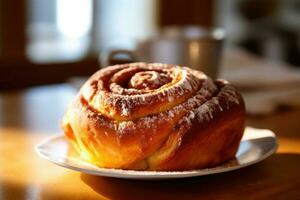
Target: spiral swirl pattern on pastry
155, 117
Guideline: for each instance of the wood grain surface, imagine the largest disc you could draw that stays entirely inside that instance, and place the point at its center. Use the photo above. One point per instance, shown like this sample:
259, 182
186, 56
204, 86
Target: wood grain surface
27, 117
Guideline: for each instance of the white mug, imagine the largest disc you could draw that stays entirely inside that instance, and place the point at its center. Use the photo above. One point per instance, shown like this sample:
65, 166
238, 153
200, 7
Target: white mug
186, 46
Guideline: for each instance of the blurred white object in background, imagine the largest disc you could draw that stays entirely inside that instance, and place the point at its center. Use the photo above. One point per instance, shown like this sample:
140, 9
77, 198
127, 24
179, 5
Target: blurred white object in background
265, 85
74, 18
58, 30
122, 22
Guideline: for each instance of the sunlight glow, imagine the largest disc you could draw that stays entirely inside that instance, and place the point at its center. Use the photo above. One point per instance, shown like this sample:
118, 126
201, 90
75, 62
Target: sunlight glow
74, 17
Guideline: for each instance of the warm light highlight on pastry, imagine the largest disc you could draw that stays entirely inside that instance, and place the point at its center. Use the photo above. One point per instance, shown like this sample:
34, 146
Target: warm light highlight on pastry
155, 117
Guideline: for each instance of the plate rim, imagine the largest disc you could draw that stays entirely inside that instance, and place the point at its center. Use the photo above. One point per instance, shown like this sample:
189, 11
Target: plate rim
152, 175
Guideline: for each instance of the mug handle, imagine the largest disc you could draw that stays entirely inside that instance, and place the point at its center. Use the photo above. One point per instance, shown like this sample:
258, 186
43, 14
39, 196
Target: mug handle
108, 60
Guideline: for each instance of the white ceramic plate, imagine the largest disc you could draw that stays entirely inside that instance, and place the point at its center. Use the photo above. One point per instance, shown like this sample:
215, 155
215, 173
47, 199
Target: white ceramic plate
256, 145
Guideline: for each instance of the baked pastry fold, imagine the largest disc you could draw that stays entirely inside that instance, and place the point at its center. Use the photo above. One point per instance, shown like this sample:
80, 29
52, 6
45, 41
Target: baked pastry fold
155, 117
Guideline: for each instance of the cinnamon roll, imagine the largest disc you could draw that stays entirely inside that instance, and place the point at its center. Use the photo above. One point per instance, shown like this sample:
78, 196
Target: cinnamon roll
155, 117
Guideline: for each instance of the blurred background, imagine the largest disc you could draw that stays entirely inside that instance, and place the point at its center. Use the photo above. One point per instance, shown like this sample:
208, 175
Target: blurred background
49, 47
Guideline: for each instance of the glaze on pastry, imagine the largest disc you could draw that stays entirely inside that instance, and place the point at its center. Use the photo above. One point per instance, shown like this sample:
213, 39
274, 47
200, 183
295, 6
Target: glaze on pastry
155, 117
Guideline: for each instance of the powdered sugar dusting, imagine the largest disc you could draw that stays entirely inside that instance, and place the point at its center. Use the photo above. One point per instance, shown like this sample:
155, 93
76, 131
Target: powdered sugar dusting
183, 84
202, 99
232, 95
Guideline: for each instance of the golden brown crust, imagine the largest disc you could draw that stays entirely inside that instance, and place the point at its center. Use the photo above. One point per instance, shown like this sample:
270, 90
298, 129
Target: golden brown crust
155, 117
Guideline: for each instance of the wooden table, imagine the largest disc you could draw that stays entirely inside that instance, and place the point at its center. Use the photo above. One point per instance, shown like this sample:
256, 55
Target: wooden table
27, 117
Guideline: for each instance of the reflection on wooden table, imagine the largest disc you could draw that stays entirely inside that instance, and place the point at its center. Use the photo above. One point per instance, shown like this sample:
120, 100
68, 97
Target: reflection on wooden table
23, 175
